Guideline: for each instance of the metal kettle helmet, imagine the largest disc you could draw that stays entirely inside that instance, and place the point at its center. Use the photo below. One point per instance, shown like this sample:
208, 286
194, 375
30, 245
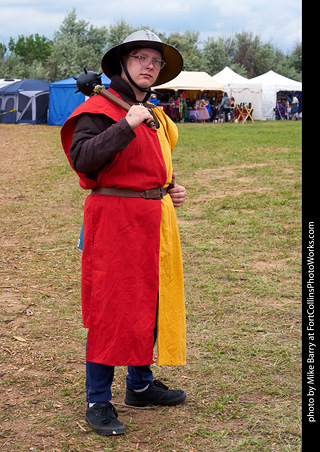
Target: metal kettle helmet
111, 62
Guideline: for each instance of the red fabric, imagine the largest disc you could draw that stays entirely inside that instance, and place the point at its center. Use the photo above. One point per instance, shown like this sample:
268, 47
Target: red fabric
126, 170
120, 278
120, 262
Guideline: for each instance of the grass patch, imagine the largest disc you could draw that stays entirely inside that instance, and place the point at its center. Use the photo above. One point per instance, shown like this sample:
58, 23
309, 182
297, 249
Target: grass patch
240, 232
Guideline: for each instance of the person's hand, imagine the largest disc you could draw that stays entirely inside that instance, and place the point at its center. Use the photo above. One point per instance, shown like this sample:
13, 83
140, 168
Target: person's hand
137, 115
178, 194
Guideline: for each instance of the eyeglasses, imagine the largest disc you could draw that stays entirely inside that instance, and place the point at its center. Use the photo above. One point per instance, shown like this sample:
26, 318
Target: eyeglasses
146, 61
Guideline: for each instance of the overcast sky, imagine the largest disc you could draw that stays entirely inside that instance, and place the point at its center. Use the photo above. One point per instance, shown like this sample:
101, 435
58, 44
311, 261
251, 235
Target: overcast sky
277, 21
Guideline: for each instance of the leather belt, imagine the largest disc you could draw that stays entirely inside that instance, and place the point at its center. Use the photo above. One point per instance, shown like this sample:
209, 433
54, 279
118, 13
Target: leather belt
154, 193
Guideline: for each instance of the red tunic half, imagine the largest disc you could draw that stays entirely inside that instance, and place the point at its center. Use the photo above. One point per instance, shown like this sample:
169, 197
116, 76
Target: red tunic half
121, 251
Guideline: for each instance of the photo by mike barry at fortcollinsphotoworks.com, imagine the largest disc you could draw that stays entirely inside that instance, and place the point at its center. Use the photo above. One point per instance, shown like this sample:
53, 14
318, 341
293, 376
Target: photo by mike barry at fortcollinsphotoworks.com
309, 318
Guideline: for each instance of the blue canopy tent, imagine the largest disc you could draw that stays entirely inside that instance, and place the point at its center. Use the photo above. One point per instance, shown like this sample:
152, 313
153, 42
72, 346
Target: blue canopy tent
24, 102
63, 100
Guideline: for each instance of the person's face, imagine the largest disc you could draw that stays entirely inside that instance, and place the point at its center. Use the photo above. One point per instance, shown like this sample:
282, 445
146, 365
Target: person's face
144, 76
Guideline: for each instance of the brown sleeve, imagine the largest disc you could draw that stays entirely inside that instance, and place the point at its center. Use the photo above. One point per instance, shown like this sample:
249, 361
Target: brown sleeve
96, 140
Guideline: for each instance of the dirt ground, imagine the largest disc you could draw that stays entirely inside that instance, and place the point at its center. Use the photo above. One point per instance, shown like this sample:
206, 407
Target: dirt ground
42, 345
42, 366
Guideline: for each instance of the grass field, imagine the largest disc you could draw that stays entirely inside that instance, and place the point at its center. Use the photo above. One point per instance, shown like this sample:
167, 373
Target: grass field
240, 232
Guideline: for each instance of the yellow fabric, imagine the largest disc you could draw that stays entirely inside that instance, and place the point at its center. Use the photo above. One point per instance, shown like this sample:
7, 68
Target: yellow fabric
171, 338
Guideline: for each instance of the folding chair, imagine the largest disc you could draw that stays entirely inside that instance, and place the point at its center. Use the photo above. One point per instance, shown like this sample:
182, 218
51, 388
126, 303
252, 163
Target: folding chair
248, 111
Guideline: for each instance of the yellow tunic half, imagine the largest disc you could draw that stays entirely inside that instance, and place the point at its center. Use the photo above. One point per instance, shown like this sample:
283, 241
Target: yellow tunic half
171, 310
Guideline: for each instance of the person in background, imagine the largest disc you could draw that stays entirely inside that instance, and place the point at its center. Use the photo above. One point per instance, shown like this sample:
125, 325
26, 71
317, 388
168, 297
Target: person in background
132, 276
203, 112
208, 107
280, 112
294, 107
225, 106
233, 109
154, 99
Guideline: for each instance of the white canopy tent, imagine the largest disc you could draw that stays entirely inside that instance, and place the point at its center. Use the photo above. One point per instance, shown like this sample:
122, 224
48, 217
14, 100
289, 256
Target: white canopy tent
8, 81
272, 83
227, 76
192, 81
191, 85
243, 90
249, 93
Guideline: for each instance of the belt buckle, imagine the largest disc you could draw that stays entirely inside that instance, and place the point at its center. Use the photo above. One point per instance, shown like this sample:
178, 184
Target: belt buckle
161, 193
149, 193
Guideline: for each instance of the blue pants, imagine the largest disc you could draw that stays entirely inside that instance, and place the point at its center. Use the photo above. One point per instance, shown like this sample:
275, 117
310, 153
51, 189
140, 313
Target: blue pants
226, 111
99, 378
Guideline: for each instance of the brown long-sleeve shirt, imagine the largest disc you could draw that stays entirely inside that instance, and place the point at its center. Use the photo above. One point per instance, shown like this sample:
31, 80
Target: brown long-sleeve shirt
97, 138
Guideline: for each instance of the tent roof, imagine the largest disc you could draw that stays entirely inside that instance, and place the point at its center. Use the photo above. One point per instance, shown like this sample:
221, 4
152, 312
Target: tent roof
71, 82
227, 75
63, 99
188, 80
64, 83
30, 84
282, 83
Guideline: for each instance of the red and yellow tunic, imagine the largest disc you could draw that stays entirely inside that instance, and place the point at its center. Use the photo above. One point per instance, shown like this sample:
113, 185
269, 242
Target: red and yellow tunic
131, 250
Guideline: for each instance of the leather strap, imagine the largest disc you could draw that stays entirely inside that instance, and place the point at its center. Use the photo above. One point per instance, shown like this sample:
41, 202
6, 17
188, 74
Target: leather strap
154, 193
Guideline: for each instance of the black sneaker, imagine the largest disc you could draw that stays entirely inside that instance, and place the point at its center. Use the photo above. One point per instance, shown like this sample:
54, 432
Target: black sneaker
102, 417
156, 394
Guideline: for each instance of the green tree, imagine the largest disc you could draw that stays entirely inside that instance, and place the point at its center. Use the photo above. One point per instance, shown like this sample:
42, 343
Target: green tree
295, 61
262, 60
3, 50
217, 54
31, 48
15, 67
247, 46
117, 33
239, 69
76, 45
187, 44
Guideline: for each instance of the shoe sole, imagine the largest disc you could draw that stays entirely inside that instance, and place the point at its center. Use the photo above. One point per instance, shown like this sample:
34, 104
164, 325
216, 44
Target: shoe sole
106, 432
160, 402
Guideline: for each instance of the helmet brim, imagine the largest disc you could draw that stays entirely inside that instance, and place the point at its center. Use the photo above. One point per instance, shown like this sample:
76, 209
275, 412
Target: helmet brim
174, 62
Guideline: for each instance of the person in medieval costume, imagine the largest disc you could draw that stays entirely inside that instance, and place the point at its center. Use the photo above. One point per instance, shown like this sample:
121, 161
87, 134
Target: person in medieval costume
132, 278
